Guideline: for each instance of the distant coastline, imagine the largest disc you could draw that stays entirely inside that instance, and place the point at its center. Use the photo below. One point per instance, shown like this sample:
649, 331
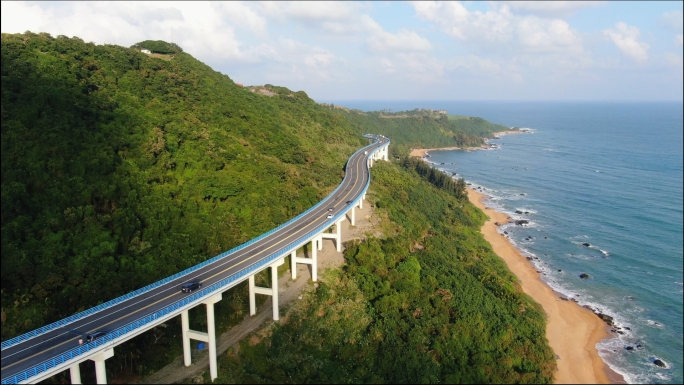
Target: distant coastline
422, 152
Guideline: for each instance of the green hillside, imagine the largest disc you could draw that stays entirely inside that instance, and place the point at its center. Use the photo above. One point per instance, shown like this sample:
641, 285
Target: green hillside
428, 303
422, 128
121, 168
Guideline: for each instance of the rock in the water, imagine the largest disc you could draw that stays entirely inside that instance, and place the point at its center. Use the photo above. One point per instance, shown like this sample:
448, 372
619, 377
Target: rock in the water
506, 232
527, 212
560, 270
521, 222
584, 275
629, 348
518, 212
587, 244
606, 318
529, 258
660, 363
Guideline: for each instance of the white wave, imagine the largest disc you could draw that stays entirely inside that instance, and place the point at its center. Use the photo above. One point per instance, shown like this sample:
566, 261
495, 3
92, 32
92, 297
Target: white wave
655, 323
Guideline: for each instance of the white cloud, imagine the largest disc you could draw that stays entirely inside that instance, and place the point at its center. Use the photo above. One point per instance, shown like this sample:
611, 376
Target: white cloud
345, 19
625, 38
551, 8
404, 40
500, 29
202, 28
335, 17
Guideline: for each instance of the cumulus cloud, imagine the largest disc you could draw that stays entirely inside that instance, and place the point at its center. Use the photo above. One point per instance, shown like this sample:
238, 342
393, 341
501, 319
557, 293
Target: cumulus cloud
344, 20
626, 39
201, 28
501, 29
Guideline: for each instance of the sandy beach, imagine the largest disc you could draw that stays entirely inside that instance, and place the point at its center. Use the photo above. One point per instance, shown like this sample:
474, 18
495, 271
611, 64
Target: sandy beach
572, 330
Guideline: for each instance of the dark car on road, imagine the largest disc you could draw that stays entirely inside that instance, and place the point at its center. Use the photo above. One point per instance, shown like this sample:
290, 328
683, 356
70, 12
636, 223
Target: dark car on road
94, 336
190, 286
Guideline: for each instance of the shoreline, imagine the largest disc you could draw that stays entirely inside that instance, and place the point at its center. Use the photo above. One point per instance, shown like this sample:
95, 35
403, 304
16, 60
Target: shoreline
572, 331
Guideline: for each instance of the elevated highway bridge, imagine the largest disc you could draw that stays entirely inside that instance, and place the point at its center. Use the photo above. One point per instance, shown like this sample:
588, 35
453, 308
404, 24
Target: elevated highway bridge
46, 351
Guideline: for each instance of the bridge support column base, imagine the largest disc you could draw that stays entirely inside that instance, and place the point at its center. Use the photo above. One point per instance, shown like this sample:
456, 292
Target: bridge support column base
272, 291
353, 216
75, 372
100, 370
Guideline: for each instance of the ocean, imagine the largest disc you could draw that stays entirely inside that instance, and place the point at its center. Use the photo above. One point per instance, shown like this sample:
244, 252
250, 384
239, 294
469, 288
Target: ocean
607, 175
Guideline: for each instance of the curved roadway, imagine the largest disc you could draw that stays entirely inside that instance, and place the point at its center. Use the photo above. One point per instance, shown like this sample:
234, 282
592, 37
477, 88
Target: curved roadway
24, 355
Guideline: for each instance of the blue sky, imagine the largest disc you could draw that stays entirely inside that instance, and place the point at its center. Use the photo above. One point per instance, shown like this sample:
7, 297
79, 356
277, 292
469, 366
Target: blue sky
507, 50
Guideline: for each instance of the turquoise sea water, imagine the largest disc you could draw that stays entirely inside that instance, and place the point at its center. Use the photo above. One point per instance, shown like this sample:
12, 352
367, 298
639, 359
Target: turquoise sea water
606, 174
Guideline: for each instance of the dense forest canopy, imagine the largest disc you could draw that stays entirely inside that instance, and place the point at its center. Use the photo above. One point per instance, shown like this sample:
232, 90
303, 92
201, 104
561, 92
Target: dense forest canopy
121, 168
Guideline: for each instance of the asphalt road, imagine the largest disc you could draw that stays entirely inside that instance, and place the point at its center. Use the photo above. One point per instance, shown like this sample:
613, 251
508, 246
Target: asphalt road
26, 354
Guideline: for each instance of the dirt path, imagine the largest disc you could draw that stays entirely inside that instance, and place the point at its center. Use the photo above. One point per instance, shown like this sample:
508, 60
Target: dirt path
289, 290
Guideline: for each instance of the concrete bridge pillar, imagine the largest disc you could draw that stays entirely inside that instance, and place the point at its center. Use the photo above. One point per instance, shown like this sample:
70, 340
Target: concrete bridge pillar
100, 370
337, 236
313, 261
75, 371
211, 334
353, 222
209, 337
338, 229
272, 291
